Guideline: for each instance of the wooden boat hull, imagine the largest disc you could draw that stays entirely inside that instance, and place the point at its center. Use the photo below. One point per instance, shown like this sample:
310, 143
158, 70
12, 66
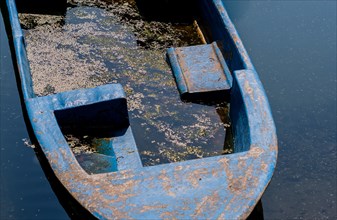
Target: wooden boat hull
225, 186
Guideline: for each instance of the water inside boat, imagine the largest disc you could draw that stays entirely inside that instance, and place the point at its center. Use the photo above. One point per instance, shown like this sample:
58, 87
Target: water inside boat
94, 43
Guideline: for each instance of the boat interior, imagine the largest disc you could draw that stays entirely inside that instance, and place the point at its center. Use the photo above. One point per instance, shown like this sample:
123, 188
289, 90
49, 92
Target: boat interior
184, 106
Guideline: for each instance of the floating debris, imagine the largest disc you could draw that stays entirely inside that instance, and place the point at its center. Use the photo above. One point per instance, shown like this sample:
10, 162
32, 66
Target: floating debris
30, 21
28, 143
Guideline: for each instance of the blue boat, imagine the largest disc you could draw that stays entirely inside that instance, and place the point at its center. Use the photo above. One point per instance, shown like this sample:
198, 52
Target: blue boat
225, 186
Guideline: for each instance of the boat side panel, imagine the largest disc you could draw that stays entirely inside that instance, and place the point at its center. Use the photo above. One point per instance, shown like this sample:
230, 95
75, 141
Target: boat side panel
239, 118
20, 51
254, 125
220, 28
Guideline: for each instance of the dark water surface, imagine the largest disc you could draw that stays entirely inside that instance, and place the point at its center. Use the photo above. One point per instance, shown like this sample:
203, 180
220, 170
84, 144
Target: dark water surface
293, 47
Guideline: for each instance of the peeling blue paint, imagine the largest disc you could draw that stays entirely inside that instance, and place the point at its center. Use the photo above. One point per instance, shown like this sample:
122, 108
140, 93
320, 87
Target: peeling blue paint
225, 187
200, 69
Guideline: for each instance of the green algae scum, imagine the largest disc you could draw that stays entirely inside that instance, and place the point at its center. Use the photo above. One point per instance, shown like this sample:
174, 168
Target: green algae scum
96, 43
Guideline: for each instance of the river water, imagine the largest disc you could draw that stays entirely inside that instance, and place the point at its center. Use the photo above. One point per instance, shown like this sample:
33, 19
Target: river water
293, 47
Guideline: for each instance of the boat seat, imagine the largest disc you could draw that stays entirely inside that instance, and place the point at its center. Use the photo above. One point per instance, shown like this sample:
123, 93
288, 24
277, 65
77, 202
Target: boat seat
201, 72
101, 112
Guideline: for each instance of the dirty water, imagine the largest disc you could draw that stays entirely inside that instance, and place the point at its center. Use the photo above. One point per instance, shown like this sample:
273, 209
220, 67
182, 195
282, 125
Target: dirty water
81, 144
96, 43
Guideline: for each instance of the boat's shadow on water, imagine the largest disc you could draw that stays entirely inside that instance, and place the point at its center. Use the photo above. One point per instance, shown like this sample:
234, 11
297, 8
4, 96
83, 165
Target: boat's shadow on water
71, 206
